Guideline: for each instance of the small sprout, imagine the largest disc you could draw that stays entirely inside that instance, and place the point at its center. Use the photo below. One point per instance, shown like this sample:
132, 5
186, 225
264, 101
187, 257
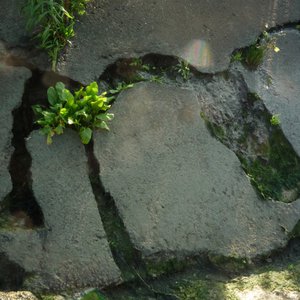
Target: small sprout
254, 55
237, 56
275, 120
183, 69
156, 78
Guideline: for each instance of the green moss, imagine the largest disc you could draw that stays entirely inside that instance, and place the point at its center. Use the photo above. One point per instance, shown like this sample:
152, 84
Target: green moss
92, 295
215, 288
201, 289
280, 280
252, 98
279, 171
253, 55
156, 268
229, 264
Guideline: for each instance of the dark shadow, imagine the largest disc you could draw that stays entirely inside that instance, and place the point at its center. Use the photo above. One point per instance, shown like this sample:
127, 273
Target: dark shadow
11, 274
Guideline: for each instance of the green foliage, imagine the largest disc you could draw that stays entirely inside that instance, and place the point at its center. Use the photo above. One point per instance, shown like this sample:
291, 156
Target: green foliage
201, 289
183, 69
92, 295
156, 78
79, 6
52, 23
156, 268
138, 64
84, 111
237, 56
253, 55
281, 170
275, 120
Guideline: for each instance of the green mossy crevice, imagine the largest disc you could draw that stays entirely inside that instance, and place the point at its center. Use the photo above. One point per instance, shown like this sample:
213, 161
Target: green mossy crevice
272, 165
277, 170
126, 256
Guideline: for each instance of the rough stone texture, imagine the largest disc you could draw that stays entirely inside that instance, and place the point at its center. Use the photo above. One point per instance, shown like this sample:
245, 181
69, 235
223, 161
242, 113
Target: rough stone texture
203, 32
258, 293
12, 82
72, 250
277, 82
179, 189
12, 26
17, 296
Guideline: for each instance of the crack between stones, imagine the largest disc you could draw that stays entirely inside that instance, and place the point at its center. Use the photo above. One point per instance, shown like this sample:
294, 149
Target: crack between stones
126, 256
21, 202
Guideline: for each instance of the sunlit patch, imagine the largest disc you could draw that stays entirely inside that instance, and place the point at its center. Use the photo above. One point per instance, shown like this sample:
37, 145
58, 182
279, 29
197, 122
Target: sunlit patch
198, 54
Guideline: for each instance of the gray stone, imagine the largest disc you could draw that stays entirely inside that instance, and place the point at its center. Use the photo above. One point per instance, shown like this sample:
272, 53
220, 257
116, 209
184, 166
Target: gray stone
12, 82
72, 250
12, 26
203, 32
277, 82
176, 187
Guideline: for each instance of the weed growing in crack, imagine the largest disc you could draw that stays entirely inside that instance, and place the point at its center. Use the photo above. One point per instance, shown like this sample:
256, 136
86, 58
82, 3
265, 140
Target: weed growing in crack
253, 55
183, 69
275, 120
52, 23
83, 111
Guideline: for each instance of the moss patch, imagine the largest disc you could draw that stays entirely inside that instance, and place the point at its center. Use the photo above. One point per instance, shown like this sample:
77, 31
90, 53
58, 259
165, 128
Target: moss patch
280, 280
92, 295
201, 289
279, 172
156, 268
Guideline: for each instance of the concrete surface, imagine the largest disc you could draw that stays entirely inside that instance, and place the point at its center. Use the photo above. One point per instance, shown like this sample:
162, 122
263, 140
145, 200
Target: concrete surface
72, 250
176, 187
203, 32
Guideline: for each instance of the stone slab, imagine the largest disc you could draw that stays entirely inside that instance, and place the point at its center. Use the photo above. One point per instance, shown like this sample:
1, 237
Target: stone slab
12, 81
71, 250
177, 188
277, 82
203, 32
12, 26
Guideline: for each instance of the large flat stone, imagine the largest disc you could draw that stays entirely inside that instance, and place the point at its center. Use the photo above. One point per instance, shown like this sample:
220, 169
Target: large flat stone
72, 250
12, 82
203, 32
277, 82
12, 26
176, 187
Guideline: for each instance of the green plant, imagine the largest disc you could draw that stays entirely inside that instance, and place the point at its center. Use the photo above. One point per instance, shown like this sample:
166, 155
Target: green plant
156, 78
138, 63
253, 55
83, 111
92, 295
275, 120
52, 23
237, 56
183, 69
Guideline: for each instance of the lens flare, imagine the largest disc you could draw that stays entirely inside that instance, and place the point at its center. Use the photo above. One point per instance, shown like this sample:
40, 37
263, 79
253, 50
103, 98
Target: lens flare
198, 54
